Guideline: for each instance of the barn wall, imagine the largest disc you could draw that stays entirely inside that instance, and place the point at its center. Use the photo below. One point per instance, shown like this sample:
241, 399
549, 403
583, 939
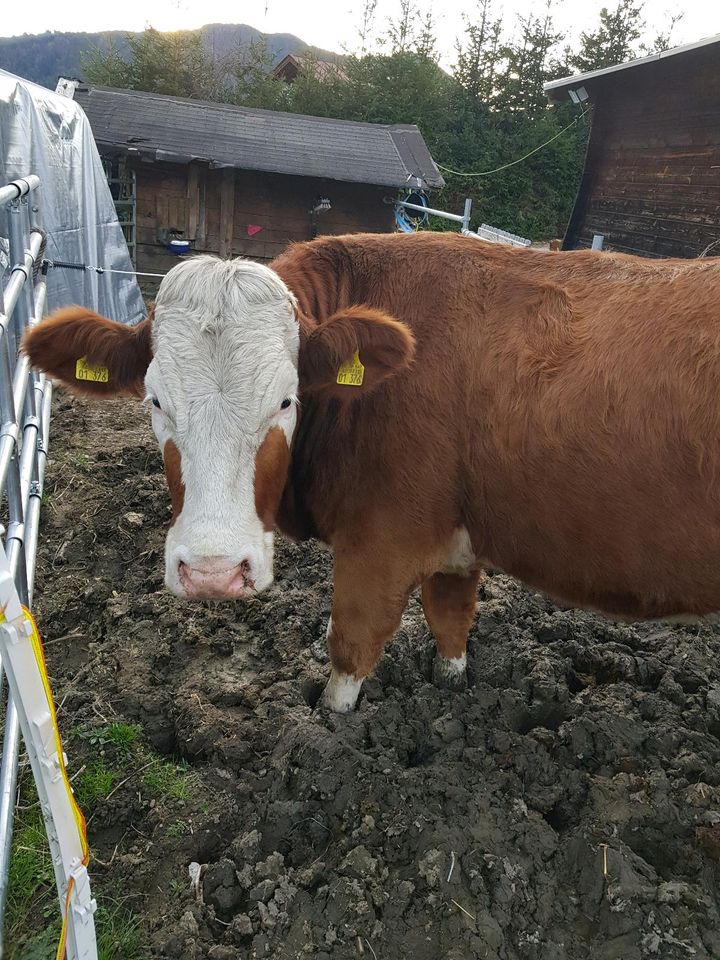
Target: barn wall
652, 176
216, 207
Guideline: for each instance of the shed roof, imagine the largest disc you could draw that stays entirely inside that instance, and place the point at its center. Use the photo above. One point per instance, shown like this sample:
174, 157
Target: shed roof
559, 89
177, 130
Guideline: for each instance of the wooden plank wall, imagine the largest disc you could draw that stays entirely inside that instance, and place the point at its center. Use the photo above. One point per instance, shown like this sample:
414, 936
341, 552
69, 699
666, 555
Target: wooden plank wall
216, 208
651, 183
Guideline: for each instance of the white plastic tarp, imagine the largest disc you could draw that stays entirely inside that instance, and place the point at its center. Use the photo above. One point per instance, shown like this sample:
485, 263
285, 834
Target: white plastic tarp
47, 134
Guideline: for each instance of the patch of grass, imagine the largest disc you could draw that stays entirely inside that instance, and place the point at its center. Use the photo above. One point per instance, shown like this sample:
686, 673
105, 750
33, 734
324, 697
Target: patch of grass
176, 887
169, 780
41, 946
119, 932
32, 897
93, 784
178, 829
120, 735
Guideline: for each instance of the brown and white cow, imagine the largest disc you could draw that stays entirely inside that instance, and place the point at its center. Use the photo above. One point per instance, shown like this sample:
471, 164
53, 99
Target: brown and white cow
554, 415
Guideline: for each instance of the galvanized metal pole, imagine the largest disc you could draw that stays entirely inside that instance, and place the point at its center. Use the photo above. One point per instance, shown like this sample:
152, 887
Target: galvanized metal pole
467, 214
18, 188
430, 210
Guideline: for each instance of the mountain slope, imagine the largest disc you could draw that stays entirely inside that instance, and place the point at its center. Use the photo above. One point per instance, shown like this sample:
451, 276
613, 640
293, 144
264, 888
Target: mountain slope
44, 57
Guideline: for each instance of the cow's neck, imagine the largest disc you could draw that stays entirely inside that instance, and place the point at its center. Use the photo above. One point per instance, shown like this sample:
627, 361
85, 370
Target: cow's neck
319, 292
318, 295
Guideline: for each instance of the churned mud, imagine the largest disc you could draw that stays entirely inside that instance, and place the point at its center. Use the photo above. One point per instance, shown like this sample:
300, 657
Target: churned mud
565, 807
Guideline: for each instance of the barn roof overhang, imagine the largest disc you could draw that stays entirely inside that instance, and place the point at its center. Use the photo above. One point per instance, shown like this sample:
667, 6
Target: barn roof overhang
575, 86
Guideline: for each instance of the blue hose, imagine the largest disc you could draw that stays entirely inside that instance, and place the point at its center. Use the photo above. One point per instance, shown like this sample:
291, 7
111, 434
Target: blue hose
410, 221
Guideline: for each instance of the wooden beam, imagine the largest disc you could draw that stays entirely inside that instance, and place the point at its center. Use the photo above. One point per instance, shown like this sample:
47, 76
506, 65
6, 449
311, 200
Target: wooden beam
227, 211
193, 201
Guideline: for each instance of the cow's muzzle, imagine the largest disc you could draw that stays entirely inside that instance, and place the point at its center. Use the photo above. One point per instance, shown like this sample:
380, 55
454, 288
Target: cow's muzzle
216, 578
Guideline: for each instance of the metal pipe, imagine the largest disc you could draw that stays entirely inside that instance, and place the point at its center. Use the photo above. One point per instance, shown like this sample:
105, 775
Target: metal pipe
19, 256
10, 754
19, 188
434, 213
9, 429
20, 273
8, 791
20, 383
40, 301
31, 432
32, 520
12, 399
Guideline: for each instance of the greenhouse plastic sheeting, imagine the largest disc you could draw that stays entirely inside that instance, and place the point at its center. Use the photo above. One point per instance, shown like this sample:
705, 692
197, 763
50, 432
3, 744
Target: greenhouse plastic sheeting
47, 134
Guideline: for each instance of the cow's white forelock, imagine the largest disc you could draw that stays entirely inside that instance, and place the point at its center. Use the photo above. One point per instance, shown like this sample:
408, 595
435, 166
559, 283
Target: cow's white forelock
225, 339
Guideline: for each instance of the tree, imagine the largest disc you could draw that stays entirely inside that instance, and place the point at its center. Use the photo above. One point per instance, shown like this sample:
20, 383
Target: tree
249, 81
477, 59
170, 63
367, 22
526, 62
663, 39
106, 66
614, 39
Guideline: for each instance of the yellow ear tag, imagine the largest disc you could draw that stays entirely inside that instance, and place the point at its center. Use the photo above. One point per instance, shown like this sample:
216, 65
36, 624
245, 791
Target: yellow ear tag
351, 374
89, 371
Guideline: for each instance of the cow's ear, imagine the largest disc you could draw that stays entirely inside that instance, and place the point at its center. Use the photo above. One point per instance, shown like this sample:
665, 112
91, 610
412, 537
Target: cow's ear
89, 353
353, 351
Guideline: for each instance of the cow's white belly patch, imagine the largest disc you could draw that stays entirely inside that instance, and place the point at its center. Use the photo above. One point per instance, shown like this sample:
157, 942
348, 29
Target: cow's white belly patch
460, 558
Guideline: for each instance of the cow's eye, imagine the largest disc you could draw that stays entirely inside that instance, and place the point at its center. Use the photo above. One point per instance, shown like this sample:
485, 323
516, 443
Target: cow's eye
286, 403
156, 403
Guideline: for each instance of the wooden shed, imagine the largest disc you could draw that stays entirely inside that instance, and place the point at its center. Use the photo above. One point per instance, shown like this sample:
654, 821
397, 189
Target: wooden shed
241, 182
651, 183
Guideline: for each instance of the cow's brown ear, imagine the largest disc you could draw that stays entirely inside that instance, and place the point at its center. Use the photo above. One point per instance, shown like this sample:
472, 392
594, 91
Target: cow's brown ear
89, 353
353, 351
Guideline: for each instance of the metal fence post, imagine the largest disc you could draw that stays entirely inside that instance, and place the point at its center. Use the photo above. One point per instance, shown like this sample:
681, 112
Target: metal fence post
25, 399
467, 214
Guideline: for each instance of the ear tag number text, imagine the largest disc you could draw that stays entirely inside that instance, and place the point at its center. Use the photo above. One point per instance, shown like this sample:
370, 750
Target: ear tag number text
90, 371
351, 374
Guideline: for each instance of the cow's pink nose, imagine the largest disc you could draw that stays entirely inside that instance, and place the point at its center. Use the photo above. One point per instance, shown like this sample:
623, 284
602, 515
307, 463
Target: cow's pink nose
215, 578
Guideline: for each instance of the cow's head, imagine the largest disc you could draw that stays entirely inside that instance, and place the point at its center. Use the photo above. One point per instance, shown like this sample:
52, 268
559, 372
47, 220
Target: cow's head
222, 361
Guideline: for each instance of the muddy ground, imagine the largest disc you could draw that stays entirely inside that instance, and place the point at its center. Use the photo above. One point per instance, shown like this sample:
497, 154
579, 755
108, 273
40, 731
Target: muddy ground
565, 807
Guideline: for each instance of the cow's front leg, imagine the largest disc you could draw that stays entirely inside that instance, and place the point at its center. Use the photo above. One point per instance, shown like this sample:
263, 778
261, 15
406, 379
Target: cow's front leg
368, 604
449, 602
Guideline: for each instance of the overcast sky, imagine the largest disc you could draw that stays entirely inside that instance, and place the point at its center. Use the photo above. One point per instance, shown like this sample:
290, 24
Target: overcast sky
332, 23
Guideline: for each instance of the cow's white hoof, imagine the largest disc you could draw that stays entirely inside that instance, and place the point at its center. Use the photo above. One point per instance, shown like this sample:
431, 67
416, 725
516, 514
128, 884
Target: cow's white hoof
341, 692
450, 672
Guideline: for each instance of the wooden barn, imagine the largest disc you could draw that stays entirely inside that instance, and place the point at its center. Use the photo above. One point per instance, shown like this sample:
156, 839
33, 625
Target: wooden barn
242, 182
651, 184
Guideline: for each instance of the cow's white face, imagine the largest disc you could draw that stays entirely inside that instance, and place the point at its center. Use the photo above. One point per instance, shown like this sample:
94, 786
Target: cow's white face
223, 386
